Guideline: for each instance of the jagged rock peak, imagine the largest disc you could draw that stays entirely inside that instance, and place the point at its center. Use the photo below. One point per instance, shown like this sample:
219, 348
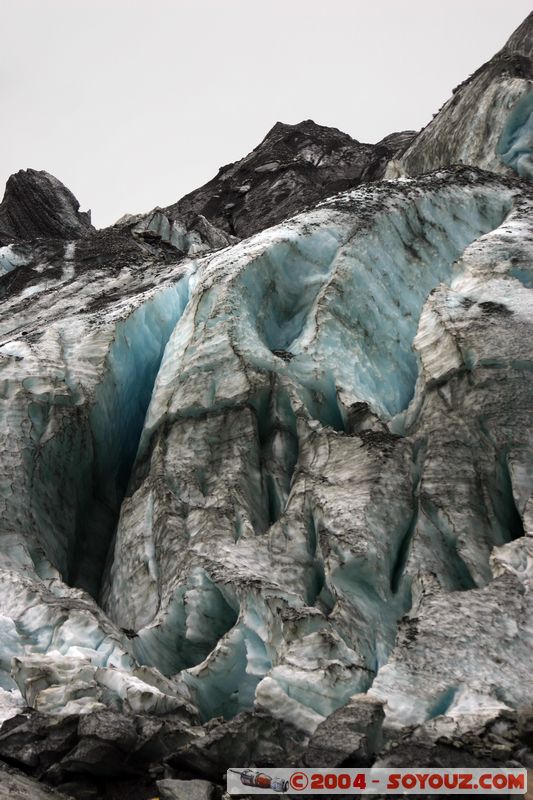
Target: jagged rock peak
294, 166
36, 204
292, 135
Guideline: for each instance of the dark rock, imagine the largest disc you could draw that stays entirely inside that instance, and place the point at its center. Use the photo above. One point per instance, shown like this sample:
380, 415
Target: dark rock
36, 205
109, 726
410, 752
97, 757
80, 790
170, 789
100, 745
37, 741
351, 734
489, 307
249, 739
14, 785
284, 355
158, 738
293, 167
525, 726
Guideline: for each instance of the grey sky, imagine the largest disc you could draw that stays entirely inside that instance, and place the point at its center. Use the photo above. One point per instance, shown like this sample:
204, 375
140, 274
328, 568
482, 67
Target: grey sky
132, 104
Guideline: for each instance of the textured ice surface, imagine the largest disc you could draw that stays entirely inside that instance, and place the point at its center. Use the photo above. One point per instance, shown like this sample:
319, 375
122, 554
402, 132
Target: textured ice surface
77, 369
277, 502
516, 144
264, 463
10, 258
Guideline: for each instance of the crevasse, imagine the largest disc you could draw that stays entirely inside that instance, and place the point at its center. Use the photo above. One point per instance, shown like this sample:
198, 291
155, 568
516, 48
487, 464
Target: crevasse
76, 542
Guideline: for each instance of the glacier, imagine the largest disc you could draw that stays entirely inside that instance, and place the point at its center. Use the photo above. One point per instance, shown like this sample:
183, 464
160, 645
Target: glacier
271, 418
248, 421
267, 491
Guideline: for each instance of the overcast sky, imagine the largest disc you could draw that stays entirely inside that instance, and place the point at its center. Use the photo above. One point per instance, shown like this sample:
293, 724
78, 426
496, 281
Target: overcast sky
132, 104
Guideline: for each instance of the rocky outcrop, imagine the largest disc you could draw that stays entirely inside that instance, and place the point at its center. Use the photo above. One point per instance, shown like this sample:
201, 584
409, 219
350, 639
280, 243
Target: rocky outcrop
293, 167
351, 735
37, 205
100, 754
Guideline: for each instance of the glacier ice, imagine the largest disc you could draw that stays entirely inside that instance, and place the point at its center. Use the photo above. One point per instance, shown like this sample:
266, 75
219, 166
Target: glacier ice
262, 478
257, 352
11, 257
116, 420
70, 406
515, 147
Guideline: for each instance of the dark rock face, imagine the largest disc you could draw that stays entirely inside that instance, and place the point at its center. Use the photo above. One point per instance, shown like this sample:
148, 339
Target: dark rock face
94, 755
105, 750
110, 755
37, 205
248, 739
352, 734
293, 167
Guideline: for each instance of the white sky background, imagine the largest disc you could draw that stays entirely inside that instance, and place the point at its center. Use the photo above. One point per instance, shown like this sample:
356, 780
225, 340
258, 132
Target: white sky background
132, 104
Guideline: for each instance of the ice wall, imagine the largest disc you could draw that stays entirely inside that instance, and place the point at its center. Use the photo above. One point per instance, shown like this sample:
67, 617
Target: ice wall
277, 383
515, 147
292, 484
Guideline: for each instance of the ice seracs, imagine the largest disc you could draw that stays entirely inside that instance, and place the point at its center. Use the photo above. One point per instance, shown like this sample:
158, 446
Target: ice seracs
245, 444
289, 482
